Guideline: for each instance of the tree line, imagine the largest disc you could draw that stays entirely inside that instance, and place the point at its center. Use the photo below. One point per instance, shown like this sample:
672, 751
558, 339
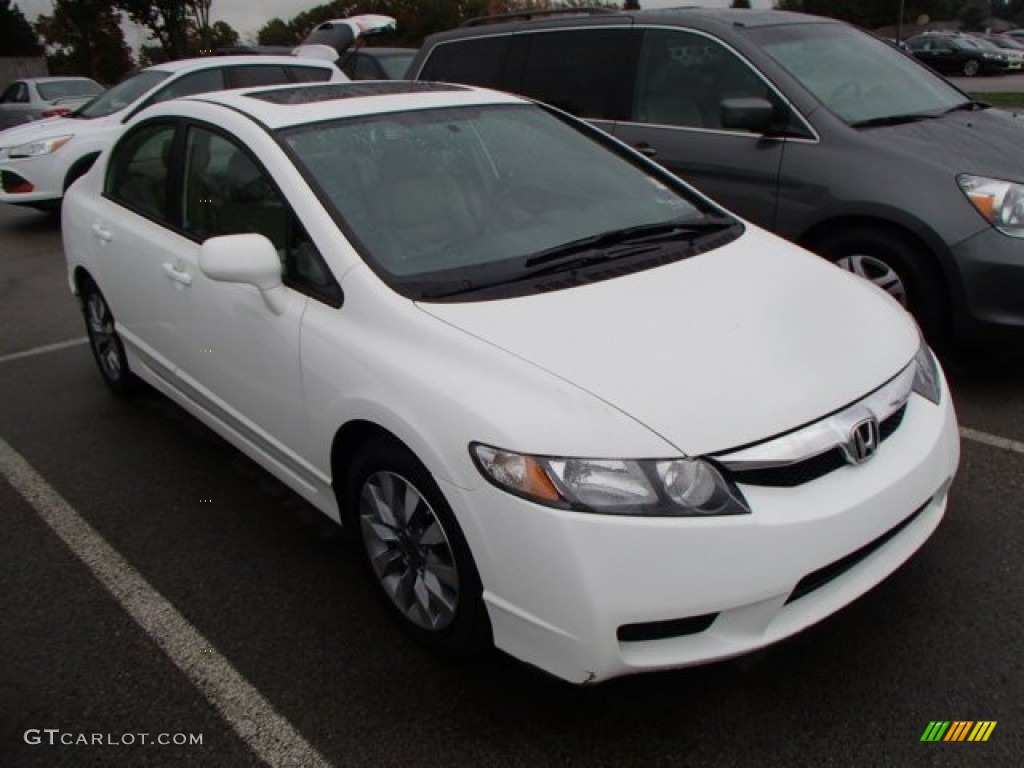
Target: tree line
84, 37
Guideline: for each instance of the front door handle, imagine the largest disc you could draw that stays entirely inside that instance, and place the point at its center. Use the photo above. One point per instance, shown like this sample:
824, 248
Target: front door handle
645, 149
176, 274
103, 234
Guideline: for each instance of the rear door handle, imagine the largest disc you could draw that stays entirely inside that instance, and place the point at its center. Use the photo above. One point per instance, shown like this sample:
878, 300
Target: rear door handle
176, 274
645, 149
103, 234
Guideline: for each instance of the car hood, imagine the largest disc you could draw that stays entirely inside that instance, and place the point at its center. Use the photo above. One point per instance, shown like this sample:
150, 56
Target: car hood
714, 352
55, 126
985, 143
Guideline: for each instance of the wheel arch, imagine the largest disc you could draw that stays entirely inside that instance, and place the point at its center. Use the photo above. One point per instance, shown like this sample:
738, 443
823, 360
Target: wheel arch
919, 240
348, 440
79, 168
80, 278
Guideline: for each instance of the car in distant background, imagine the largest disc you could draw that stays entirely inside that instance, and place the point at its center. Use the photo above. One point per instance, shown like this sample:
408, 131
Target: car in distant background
958, 55
378, 63
39, 161
1012, 50
33, 98
1010, 45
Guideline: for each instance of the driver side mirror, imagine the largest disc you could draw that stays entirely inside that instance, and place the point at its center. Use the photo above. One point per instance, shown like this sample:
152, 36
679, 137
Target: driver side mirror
248, 259
747, 114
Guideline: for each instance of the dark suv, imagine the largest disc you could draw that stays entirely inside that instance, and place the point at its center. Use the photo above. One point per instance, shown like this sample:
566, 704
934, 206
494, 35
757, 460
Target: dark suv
806, 126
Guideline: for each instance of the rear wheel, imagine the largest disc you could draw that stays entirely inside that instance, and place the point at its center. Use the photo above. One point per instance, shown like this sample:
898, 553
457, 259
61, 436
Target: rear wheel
895, 264
414, 550
107, 348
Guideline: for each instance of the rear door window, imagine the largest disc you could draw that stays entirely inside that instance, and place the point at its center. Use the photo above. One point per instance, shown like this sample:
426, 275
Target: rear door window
203, 81
138, 175
588, 73
309, 74
473, 62
256, 75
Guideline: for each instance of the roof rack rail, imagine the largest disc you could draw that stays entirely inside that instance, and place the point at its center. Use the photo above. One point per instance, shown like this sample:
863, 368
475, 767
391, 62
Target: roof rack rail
527, 15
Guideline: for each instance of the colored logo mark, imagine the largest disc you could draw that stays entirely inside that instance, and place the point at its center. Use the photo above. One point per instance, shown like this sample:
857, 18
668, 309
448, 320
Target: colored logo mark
958, 730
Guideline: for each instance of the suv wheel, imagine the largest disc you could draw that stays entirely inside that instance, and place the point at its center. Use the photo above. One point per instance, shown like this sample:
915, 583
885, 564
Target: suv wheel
896, 265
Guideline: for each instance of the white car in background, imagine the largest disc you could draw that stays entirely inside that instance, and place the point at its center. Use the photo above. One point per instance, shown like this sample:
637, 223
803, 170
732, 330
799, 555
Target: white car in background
39, 161
32, 98
564, 401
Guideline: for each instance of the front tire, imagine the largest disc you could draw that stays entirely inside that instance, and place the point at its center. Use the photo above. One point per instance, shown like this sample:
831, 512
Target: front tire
971, 68
414, 551
106, 344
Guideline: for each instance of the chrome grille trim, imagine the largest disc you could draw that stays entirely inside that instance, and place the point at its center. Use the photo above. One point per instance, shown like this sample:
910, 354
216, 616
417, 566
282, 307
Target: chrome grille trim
827, 434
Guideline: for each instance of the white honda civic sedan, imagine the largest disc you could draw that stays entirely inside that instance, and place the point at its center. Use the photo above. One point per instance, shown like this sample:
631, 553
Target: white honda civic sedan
566, 404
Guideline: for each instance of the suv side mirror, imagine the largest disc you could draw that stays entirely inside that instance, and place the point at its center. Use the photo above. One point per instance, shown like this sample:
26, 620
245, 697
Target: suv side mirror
250, 259
747, 114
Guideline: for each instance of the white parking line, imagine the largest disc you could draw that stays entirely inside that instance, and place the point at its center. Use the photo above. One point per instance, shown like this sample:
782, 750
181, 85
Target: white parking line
43, 350
251, 716
994, 440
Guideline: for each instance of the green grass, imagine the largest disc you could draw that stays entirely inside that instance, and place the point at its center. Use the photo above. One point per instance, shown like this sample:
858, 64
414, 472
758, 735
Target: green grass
1000, 99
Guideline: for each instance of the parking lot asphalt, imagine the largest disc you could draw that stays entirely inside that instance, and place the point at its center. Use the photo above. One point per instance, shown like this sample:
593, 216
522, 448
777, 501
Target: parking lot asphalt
258, 582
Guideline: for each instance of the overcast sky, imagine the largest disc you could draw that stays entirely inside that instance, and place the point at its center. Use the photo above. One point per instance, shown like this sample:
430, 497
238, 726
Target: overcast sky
247, 16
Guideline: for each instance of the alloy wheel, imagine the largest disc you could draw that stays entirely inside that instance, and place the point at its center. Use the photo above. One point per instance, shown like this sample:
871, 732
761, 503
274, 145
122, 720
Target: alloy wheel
409, 551
103, 337
878, 272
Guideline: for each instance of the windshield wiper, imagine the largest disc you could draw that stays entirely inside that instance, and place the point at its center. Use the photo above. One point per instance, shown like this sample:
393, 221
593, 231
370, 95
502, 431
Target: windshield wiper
684, 229
631, 241
968, 106
894, 120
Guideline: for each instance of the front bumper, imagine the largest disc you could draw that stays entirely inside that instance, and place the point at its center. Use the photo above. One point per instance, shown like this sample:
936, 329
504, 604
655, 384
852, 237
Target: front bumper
45, 175
561, 586
991, 267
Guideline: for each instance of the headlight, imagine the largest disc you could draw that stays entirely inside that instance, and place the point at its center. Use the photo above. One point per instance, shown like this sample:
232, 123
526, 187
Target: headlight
651, 488
926, 377
41, 147
1000, 202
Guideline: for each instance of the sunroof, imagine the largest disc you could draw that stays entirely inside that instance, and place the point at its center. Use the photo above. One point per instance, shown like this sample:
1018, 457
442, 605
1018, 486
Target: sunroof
334, 91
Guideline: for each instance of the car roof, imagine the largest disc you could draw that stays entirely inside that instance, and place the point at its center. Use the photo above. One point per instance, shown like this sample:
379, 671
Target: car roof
282, 106
206, 62
698, 18
748, 18
54, 79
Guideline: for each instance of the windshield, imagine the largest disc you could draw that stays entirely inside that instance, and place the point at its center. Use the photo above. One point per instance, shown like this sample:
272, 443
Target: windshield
65, 89
466, 196
122, 95
858, 77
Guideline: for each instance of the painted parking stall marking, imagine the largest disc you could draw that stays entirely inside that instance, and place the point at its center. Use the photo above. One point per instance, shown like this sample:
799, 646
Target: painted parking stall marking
995, 441
44, 349
244, 708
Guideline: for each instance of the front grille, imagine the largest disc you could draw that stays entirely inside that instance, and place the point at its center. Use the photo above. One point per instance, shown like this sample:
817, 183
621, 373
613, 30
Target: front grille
810, 469
822, 576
